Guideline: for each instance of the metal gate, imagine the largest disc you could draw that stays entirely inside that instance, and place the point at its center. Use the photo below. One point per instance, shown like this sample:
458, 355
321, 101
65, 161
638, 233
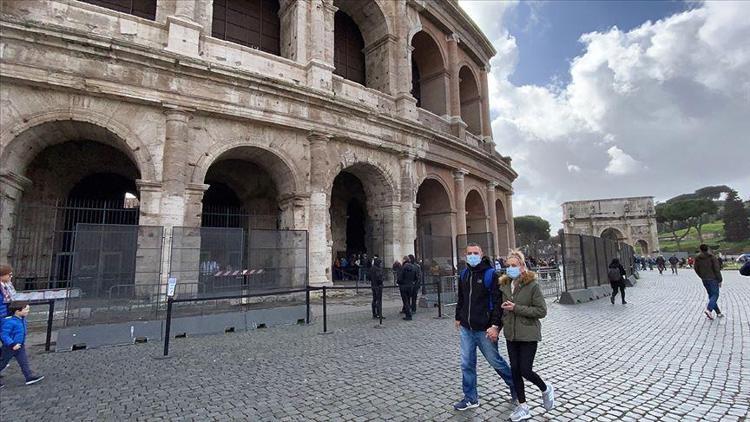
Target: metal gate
44, 236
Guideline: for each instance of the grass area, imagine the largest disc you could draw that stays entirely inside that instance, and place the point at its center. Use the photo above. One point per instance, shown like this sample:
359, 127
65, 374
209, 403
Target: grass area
713, 234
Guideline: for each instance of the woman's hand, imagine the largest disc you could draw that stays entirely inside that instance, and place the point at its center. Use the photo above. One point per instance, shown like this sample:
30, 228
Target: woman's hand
508, 306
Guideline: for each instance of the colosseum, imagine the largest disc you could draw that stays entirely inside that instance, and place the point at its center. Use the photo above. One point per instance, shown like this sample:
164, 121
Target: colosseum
330, 127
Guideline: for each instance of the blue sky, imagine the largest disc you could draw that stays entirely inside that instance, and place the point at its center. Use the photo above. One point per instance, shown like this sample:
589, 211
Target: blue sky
618, 98
547, 32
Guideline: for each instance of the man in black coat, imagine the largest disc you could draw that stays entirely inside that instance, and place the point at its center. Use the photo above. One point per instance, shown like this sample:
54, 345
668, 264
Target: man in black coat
376, 276
406, 282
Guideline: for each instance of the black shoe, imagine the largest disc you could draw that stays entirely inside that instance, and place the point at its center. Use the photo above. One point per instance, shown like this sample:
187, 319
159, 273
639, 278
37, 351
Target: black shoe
624, 303
406, 318
34, 380
374, 317
382, 317
612, 299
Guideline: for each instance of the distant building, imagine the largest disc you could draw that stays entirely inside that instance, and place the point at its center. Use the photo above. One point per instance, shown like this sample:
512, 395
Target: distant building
632, 220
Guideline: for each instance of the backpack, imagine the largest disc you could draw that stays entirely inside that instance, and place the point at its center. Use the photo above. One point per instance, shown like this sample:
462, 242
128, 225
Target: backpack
408, 274
489, 275
613, 274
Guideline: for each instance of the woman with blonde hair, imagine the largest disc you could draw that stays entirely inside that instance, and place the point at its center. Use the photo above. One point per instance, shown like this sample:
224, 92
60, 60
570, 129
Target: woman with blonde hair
523, 307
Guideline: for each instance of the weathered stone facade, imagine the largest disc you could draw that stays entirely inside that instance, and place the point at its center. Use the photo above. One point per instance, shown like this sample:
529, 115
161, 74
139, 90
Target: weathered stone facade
176, 113
632, 220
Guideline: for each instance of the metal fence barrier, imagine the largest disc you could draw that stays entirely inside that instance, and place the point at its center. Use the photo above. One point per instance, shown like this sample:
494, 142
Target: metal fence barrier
586, 259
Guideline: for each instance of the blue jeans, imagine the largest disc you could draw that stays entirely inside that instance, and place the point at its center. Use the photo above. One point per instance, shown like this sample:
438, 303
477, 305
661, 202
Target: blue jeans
712, 288
470, 340
21, 358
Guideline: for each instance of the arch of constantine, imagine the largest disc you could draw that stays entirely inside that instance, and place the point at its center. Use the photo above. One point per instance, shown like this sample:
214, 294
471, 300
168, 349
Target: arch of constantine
630, 220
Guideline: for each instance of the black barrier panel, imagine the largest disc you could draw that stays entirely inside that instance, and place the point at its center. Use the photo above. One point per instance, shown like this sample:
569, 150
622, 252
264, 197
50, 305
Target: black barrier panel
278, 259
589, 262
484, 240
436, 256
573, 262
117, 269
601, 260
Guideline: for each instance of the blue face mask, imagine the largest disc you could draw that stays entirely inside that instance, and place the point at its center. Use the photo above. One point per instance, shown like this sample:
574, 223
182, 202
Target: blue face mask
513, 272
473, 260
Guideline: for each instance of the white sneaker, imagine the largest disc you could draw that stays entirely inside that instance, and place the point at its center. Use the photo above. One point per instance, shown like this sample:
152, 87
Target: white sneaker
549, 397
521, 413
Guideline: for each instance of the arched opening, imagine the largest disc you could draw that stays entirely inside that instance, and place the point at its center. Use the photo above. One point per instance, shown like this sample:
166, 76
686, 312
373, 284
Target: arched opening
244, 226
503, 229
141, 8
361, 219
476, 215
642, 246
361, 52
434, 232
81, 187
348, 49
250, 23
613, 234
429, 77
471, 101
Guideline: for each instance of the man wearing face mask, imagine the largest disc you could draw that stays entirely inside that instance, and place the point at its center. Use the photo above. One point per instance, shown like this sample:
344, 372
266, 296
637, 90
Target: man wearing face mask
479, 323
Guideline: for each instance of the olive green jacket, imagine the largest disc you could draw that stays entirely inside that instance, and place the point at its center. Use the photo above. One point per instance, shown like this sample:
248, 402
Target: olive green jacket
522, 324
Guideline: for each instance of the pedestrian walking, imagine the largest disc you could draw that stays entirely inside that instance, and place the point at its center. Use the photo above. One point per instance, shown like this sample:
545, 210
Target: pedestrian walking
745, 270
417, 283
523, 307
407, 280
707, 267
376, 284
661, 264
479, 319
13, 338
7, 291
616, 275
673, 261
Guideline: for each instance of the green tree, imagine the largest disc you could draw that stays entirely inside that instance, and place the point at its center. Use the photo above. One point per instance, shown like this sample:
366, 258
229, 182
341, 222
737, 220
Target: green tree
671, 217
530, 228
696, 213
736, 223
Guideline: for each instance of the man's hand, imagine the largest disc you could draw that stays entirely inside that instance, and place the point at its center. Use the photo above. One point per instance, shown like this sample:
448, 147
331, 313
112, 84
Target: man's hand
458, 324
16, 347
508, 306
493, 333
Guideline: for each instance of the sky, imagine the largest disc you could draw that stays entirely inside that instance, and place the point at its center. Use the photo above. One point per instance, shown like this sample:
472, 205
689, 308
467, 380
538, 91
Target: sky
607, 99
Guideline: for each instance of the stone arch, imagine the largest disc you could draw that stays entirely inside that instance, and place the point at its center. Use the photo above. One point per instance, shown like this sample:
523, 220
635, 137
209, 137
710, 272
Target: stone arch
277, 156
448, 188
20, 147
613, 234
476, 212
429, 73
503, 228
471, 99
374, 28
367, 167
642, 246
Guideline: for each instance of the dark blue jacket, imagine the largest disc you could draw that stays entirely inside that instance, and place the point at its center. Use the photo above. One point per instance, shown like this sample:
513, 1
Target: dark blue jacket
13, 331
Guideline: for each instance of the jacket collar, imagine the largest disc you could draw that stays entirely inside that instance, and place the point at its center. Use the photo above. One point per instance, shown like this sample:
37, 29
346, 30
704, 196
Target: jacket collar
526, 278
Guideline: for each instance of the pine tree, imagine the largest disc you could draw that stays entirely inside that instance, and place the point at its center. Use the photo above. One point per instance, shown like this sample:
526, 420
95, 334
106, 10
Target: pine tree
736, 222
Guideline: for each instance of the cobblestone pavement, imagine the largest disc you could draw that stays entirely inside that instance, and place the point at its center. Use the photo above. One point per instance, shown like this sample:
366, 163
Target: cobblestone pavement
656, 358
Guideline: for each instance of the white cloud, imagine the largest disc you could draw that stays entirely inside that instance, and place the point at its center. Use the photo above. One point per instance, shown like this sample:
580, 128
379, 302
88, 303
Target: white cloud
620, 163
674, 94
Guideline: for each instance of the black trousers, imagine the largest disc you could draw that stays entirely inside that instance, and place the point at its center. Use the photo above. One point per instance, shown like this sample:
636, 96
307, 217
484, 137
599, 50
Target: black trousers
406, 295
618, 285
521, 355
414, 296
377, 301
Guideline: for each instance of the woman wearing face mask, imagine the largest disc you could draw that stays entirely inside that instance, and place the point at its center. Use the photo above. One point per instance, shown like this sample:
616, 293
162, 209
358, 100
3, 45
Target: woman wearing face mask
524, 307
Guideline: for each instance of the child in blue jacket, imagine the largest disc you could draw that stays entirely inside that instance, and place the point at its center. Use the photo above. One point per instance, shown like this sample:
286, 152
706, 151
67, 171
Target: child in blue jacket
13, 337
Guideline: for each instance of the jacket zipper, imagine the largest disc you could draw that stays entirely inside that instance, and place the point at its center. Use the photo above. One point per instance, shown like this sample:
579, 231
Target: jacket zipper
470, 285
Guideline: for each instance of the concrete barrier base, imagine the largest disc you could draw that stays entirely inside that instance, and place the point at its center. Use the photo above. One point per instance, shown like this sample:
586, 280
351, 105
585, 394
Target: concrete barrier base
572, 297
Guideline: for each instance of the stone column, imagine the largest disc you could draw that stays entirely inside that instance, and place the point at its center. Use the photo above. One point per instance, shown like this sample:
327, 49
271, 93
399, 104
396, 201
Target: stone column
176, 147
509, 218
458, 177
293, 16
184, 31
319, 232
486, 119
12, 186
458, 127
149, 196
492, 212
408, 205
194, 204
293, 215
320, 44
